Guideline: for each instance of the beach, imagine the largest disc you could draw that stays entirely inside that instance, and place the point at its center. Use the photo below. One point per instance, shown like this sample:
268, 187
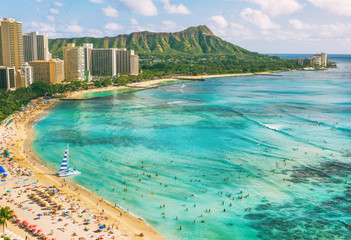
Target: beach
29, 185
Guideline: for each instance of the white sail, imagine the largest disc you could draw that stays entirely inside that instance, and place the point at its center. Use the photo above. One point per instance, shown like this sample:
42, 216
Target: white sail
64, 161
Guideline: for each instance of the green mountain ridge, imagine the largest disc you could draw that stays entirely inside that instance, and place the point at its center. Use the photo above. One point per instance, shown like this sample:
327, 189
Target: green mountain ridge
193, 40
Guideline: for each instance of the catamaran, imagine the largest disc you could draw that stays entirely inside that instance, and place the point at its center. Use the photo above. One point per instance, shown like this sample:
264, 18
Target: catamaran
64, 170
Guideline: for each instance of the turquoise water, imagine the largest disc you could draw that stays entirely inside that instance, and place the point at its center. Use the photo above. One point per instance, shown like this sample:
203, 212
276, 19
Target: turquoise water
281, 142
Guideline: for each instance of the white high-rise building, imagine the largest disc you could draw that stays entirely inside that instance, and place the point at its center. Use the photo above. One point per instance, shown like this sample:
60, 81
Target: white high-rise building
25, 76
35, 47
87, 55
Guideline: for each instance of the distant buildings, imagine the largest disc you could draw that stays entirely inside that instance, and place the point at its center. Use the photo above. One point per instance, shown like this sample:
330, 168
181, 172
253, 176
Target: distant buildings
25, 58
7, 78
11, 43
317, 60
110, 61
36, 47
51, 71
74, 62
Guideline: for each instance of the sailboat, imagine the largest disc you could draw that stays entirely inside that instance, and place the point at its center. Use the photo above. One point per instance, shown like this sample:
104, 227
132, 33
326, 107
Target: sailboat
64, 170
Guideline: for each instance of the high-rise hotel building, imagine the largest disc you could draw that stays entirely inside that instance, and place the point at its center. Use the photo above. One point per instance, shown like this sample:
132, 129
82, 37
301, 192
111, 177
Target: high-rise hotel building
35, 47
7, 78
24, 76
51, 71
103, 62
11, 43
74, 62
127, 62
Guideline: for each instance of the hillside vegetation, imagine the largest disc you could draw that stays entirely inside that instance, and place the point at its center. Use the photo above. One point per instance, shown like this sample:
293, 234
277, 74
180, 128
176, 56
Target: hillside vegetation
193, 40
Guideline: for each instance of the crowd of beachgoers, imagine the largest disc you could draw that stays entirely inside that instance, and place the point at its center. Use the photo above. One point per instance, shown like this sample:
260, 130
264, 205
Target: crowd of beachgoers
46, 206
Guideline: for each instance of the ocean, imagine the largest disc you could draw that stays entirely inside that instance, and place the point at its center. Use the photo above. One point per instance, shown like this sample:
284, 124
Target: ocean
252, 157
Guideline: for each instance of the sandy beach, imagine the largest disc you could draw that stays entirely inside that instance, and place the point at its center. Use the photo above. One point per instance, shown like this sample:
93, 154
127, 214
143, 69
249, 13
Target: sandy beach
58, 208
72, 212
226, 75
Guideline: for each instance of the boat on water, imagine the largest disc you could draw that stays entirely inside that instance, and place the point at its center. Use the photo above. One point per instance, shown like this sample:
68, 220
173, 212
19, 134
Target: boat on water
64, 170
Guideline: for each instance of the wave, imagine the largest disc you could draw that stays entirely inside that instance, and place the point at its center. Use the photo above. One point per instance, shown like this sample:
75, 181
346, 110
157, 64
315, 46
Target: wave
176, 102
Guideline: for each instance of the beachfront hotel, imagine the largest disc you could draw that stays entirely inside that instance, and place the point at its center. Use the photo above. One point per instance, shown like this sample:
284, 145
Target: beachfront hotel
127, 62
74, 62
11, 43
24, 76
110, 61
27, 56
51, 71
7, 78
103, 62
35, 47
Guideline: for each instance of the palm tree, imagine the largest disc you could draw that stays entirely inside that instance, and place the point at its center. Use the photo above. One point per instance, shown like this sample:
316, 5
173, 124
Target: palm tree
5, 215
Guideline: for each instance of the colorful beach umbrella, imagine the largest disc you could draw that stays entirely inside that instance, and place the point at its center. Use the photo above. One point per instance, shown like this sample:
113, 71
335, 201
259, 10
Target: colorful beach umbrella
102, 227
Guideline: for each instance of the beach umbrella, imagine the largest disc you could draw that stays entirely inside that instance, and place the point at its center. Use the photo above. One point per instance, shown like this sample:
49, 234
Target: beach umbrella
89, 220
102, 227
67, 212
8, 191
53, 239
25, 222
39, 215
40, 231
33, 226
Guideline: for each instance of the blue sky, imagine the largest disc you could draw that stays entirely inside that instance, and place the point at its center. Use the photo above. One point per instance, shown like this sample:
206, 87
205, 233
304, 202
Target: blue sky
265, 26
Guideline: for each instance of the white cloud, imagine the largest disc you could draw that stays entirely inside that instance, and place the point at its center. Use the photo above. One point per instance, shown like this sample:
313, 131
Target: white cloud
341, 7
95, 33
258, 18
170, 25
58, 4
38, 1
113, 27
42, 27
336, 31
297, 24
50, 18
239, 31
97, 1
142, 7
219, 21
54, 11
279, 7
73, 28
133, 21
175, 9
110, 11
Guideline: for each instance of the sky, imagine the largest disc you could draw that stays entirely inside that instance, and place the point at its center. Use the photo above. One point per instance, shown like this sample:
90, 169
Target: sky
265, 26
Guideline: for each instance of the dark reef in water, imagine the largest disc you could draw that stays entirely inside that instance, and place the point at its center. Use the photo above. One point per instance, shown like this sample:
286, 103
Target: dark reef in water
306, 219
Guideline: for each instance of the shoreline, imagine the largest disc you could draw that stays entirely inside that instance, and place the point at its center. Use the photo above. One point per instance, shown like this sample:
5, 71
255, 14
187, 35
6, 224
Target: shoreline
130, 226
150, 83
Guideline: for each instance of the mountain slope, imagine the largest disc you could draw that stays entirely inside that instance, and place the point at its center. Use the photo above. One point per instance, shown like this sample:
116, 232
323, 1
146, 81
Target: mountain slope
193, 40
